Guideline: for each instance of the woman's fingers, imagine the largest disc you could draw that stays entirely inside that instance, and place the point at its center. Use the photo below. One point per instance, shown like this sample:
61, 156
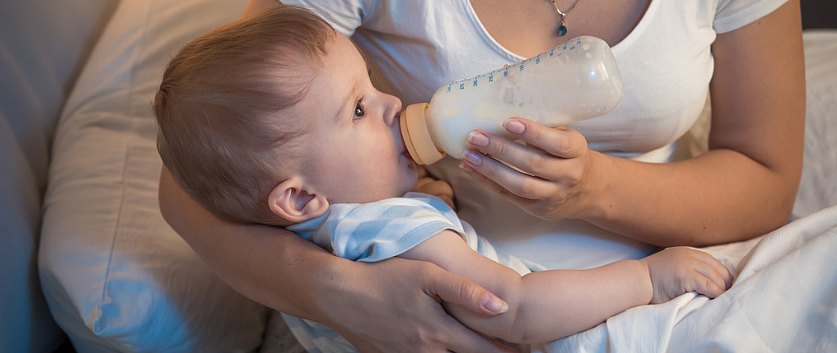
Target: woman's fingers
416, 321
545, 161
449, 336
547, 177
506, 180
464, 340
549, 153
459, 291
559, 141
525, 159
467, 294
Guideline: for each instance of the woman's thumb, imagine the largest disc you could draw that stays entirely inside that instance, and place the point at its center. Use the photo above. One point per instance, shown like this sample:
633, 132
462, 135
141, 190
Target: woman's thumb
467, 294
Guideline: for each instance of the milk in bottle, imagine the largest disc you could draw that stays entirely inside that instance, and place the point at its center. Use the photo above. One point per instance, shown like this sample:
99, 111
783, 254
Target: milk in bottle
574, 81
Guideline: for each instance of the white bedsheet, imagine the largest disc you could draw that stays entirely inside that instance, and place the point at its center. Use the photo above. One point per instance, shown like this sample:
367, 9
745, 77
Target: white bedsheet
784, 299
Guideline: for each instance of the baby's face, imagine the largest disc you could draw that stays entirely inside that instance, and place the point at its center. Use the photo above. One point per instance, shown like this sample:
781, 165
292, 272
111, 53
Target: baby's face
353, 152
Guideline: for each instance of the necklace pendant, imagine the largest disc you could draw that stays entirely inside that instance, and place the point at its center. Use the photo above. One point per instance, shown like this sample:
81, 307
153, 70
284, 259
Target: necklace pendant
562, 30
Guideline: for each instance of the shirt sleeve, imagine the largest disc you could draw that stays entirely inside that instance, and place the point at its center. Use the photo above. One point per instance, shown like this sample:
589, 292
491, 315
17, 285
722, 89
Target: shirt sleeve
345, 15
381, 230
734, 14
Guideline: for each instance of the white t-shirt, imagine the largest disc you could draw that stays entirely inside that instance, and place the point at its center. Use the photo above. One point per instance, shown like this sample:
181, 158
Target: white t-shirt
666, 65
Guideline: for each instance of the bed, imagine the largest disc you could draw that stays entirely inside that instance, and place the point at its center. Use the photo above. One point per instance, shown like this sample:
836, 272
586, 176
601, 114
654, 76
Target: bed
116, 277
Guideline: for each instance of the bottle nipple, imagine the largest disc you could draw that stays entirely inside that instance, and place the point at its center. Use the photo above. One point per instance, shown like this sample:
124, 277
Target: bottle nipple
416, 136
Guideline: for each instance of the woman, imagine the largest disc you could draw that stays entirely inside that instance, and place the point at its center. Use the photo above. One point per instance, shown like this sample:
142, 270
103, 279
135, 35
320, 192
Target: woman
594, 196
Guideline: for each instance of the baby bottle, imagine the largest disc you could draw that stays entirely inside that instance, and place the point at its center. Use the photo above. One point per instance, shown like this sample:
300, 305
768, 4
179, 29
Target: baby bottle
574, 81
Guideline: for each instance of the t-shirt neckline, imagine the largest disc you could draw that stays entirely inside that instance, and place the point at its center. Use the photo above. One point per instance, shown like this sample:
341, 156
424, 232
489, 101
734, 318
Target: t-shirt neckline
500, 49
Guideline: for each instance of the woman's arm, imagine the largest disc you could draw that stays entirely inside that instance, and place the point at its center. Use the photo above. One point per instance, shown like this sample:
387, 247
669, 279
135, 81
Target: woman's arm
387, 306
743, 187
548, 305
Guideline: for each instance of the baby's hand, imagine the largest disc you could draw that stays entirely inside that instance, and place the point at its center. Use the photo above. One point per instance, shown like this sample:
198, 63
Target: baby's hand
439, 188
679, 270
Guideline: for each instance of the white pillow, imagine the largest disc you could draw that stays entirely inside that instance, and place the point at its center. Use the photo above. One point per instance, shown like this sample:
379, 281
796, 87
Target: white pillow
817, 189
116, 276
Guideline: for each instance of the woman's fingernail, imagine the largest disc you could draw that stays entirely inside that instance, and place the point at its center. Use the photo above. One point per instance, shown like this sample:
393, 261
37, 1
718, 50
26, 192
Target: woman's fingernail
466, 167
495, 305
514, 126
477, 139
473, 157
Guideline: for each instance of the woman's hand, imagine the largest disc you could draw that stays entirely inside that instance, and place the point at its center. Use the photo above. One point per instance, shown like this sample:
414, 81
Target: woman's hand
394, 306
558, 178
431, 186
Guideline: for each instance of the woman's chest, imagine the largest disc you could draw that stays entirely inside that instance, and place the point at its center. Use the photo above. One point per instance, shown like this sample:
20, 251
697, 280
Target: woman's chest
664, 57
529, 27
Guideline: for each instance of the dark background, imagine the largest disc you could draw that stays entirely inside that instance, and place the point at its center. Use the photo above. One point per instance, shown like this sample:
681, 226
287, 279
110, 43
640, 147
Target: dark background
818, 14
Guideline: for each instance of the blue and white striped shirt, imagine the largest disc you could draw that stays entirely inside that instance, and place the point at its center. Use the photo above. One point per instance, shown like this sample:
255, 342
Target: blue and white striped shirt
377, 231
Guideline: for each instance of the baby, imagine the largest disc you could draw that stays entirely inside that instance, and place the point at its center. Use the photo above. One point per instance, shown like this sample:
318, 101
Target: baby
273, 119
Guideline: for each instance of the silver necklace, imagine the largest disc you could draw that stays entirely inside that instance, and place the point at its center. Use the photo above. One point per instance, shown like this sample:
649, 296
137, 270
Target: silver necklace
562, 30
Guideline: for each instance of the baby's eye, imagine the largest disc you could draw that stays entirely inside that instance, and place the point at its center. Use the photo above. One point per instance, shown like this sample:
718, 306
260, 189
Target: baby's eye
359, 111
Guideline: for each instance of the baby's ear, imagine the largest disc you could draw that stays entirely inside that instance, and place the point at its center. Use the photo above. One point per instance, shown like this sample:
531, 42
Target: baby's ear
292, 201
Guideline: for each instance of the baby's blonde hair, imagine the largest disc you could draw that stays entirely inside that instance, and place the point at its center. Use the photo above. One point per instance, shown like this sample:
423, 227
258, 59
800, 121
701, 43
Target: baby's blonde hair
222, 131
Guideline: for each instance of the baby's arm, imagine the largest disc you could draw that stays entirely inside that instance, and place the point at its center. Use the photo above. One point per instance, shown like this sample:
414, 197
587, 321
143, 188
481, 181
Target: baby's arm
548, 305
